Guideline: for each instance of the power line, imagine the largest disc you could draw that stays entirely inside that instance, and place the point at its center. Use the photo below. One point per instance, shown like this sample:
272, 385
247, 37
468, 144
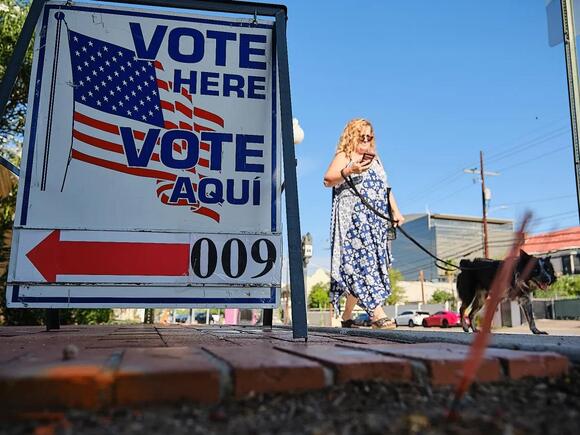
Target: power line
536, 157
552, 134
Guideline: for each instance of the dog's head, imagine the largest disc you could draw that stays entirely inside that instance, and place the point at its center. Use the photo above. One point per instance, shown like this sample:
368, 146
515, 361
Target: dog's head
538, 270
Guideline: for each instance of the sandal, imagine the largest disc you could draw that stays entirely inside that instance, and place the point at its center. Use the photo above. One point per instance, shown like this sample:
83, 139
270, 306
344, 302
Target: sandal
384, 323
347, 323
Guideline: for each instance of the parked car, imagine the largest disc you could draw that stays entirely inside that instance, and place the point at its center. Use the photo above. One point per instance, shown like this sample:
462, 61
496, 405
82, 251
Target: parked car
182, 318
444, 319
411, 318
201, 317
363, 319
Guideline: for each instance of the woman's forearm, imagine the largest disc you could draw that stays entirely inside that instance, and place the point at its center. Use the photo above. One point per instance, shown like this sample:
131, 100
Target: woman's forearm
395, 208
333, 178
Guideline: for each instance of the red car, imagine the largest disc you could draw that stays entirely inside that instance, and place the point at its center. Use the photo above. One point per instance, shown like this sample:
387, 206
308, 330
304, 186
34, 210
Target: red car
443, 319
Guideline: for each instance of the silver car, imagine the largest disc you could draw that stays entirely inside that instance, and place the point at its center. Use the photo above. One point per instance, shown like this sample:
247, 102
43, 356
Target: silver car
411, 318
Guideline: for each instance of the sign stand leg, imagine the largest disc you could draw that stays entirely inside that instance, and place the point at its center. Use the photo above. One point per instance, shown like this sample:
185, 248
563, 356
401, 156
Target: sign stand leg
267, 317
52, 318
299, 326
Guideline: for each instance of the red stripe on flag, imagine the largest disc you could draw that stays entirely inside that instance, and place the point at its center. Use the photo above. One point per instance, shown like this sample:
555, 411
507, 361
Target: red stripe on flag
209, 213
165, 187
204, 146
159, 65
105, 145
186, 94
100, 125
169, 125
98, 143
140, 172
138, 135
203, 162
199, 128
104, 126
163, 85
183, 109
181, 202
166, 105
209, 116
185, 126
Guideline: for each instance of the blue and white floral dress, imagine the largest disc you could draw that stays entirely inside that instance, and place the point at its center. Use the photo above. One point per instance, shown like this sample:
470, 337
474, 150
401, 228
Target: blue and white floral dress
361, 253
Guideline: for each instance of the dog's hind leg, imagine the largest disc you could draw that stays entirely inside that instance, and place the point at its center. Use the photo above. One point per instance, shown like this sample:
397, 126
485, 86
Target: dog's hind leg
526, 304
477, 305
462, 309
466, 292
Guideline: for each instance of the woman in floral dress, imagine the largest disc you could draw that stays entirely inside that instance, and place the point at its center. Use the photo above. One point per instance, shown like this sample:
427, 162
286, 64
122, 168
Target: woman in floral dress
361, 253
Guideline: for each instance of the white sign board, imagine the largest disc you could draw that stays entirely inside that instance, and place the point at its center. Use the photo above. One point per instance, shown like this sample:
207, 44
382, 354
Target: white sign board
151, 168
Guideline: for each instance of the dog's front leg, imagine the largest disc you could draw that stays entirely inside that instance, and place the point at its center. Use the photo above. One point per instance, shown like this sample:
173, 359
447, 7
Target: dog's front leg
526, 304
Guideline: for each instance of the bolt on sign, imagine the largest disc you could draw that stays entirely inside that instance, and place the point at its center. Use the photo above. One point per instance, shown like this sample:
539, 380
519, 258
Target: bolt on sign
151, 167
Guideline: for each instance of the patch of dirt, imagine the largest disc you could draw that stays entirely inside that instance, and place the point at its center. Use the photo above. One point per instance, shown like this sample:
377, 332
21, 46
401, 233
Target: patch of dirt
529, 406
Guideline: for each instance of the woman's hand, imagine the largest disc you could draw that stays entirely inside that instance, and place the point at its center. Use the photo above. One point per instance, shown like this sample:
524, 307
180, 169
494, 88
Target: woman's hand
399, 219
359, 167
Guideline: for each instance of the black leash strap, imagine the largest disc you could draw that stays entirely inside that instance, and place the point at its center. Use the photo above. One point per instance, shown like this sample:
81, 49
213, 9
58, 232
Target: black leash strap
352, 186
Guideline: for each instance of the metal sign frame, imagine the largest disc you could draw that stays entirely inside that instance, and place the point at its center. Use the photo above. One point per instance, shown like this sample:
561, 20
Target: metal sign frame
279, 12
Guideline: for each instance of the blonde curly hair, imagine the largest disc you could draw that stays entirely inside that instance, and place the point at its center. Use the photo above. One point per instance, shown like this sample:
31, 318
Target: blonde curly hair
350, 136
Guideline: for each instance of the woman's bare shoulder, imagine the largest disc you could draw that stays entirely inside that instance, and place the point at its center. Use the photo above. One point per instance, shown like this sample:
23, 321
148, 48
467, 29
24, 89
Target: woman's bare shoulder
341, 157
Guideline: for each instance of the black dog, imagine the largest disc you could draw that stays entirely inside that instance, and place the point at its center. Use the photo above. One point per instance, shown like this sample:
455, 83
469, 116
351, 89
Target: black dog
474, 283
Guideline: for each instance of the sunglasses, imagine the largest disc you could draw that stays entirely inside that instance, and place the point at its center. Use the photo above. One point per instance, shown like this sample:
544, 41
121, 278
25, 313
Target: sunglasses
366, 137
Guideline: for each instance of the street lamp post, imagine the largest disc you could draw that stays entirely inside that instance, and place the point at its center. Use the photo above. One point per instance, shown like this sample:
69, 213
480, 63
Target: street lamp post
306, 255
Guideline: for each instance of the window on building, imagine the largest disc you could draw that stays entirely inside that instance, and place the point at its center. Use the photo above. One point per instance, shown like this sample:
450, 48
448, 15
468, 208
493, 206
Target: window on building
566, 265
577, 264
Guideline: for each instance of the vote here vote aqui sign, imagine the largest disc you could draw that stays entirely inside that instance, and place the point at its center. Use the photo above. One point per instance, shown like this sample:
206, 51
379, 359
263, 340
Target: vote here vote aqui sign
151, 168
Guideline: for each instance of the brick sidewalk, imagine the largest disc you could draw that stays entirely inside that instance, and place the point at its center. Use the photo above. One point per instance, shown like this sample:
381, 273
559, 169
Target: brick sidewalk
139, 364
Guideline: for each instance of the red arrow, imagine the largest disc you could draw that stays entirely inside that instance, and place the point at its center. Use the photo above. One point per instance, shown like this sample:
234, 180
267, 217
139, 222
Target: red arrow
54, 257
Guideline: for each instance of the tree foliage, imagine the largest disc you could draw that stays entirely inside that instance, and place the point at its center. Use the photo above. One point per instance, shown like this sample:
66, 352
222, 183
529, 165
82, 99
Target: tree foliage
12, 16
441, 296
566, 286
319, 297
397, 295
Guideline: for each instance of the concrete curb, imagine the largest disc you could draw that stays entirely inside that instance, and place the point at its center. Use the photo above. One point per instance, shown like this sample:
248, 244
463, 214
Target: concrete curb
569, 346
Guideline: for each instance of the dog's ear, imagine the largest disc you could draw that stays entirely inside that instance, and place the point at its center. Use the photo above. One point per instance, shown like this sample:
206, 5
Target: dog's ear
524, 254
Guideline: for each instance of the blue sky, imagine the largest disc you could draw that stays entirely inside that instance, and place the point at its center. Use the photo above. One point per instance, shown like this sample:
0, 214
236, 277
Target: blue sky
440, 81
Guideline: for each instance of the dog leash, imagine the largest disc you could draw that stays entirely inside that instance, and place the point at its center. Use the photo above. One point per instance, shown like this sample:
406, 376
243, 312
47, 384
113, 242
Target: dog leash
352, 186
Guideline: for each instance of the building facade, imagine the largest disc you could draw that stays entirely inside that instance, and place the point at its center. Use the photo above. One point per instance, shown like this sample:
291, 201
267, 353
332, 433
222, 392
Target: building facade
563, 246
449, 237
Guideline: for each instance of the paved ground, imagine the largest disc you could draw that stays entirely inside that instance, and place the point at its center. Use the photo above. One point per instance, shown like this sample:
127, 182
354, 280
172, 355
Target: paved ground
552, 327
95, 367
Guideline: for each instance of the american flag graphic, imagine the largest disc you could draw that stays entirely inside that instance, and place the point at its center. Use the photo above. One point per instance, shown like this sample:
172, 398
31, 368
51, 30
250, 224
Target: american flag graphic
110, 79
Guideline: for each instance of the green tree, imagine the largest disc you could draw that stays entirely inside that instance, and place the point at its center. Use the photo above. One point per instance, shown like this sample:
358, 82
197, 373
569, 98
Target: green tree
12, 16
565, 286
397, 293
441, 296
319, 297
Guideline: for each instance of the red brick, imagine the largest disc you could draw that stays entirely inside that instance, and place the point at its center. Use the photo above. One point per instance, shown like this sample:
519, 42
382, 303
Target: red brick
520, 364
262, 369
352, 364
517, 363
110, 343
444, 362
360, 340
83, 382
287, 336
166, 375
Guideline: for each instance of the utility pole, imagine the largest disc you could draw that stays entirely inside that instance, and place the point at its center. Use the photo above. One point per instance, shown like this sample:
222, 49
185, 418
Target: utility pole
422, 279
482, 176
573, 85
484, 194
